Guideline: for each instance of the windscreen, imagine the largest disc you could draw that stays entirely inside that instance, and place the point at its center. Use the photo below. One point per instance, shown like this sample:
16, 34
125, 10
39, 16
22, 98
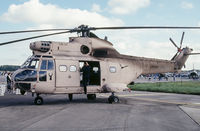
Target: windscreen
31, 62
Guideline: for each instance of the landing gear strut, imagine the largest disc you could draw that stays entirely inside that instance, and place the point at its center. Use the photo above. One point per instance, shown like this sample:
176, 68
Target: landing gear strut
113, 98
70, 96
38, 100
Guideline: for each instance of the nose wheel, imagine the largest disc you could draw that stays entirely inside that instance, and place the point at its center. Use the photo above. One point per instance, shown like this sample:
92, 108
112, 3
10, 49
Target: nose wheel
38, 100
113, 99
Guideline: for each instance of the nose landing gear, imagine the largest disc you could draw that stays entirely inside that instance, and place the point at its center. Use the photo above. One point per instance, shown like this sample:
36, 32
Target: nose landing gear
38, 100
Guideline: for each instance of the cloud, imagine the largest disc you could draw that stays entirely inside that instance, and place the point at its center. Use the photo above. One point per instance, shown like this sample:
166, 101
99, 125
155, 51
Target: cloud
187, 5
37, 16
126, 6
96, 8
35, 12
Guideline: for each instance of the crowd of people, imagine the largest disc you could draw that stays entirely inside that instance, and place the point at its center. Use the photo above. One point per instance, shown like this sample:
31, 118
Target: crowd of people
6, 79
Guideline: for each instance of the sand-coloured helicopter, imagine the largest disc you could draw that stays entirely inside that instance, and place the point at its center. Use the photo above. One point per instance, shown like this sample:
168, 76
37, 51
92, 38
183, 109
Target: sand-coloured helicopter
55, 67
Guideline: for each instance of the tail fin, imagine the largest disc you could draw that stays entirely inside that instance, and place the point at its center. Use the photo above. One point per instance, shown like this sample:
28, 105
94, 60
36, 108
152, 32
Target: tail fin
182, 54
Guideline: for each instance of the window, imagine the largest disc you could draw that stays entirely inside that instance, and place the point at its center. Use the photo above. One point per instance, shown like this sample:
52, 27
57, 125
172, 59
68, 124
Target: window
112, 69
34, 64
44, 65
63, 68
47, 64
72, 68
42, 76
95, 69
50, 64
31, 63
26, 75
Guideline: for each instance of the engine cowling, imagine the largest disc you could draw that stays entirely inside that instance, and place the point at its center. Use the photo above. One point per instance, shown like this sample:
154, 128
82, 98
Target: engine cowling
43, 46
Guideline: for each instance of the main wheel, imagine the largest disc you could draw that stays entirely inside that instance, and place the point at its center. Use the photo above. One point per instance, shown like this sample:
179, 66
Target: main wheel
91, 96
70, 97
38, 100
112, 99
115, 99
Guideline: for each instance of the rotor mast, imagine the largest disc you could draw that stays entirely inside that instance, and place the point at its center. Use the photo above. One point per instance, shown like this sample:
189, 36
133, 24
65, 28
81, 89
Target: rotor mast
84, 30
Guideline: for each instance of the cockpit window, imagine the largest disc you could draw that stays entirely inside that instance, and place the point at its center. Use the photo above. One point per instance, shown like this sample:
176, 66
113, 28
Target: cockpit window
26, 75
47, 65
44, 65
50, 64
34, 64
31, 63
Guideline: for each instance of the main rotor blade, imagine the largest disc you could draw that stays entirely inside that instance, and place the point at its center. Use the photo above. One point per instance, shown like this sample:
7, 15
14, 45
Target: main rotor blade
25, 31
146, 27
173, 43
193, 54
182, 39
28, 38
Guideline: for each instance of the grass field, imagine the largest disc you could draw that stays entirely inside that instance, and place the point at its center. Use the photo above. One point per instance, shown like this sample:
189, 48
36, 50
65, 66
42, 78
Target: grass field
190, 87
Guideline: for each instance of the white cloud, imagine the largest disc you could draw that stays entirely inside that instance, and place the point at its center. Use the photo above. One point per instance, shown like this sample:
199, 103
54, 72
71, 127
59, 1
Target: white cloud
96, 8
127, 6
37, 13
187, 5
40, 16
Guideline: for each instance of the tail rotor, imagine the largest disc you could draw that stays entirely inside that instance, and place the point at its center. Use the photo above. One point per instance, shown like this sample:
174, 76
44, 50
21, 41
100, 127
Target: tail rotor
179, 49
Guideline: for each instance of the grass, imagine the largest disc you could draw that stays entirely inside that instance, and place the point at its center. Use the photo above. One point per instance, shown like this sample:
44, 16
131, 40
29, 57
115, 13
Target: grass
190, 87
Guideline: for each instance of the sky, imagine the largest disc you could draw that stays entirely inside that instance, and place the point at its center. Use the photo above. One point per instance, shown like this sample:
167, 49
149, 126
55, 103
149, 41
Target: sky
42, 14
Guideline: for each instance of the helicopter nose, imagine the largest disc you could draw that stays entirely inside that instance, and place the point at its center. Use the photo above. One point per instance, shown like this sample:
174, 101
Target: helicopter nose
26, 75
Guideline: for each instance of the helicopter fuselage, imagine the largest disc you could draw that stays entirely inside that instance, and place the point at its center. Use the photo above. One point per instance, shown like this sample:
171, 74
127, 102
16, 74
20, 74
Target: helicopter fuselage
55, 67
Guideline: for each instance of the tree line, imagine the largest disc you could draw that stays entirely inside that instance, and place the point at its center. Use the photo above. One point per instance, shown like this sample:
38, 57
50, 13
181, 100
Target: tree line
9, 67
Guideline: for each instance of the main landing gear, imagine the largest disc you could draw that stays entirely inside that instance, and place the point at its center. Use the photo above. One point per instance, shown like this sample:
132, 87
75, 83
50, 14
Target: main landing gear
70, 96
113, 98
38, 100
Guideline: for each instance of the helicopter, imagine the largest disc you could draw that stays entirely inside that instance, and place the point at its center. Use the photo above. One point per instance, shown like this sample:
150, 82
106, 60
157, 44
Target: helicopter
55, 67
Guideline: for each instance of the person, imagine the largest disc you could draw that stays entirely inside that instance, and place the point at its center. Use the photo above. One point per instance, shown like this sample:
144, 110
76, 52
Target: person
8, 77
86, 76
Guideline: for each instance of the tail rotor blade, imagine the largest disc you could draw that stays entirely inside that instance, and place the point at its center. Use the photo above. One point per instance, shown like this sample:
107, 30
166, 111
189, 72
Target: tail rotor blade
175, 56
182, 39
173, 43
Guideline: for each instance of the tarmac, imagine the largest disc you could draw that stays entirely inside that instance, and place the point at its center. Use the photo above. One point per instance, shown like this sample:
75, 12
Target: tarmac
138, 111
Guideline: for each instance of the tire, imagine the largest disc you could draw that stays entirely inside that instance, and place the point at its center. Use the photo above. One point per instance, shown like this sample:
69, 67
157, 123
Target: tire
38, 101
70, 96
91, 96
113, 99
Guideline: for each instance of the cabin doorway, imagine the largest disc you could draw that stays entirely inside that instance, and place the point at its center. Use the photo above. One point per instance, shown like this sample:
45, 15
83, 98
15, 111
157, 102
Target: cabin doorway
95, 73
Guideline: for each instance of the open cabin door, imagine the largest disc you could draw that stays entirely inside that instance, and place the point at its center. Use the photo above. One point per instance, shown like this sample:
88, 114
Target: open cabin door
67, 73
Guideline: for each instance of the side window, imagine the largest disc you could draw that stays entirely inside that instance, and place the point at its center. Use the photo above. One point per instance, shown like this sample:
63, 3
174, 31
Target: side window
43, 65
42, 76
62, 68
95, 69
113, 69
72, 68
50, 65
